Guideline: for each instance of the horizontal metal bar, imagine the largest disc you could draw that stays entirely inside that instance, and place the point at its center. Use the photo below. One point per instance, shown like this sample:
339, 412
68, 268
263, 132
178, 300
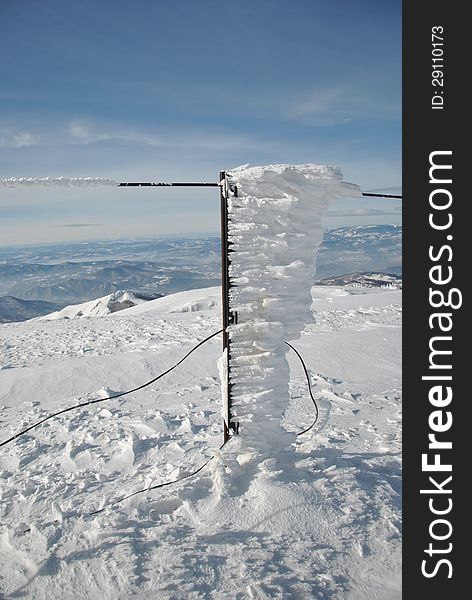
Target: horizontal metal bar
381, 195
173, 184
214, 184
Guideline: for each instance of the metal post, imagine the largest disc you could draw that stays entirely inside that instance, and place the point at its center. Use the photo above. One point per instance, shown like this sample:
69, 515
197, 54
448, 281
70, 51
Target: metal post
225, 304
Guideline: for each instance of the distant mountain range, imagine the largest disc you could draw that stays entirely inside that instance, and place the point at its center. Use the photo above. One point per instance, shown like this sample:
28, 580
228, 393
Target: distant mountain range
375, 248
15, 309
369, 280
37, 280
72, 274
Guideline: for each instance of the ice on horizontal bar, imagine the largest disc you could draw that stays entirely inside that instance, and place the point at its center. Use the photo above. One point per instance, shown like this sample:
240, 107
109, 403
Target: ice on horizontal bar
56, 181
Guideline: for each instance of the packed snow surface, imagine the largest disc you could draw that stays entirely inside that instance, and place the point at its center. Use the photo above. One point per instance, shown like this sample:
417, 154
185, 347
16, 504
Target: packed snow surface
317, 519
274, 232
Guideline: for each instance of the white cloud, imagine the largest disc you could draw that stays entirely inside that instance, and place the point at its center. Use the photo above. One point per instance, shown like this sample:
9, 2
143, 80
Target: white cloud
83, 132
321, 101
24, 139
89, 134
19, 139
343, 103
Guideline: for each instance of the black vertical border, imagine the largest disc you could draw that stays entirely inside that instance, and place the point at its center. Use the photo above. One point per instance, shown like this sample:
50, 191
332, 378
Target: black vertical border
426, 130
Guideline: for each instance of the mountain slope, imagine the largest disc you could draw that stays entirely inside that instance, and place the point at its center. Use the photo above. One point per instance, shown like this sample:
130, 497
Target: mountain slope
318, 520
102, 306
15, 309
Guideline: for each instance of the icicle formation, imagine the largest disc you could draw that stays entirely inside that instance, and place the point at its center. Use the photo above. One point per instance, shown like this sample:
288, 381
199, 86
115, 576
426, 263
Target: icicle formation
275, 230
56, 181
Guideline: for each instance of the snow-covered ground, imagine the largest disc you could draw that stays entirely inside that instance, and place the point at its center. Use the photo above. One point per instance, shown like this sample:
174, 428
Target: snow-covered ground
320, 519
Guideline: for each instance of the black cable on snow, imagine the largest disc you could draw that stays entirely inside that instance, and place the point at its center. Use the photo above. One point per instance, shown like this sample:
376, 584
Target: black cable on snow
307, 375
120, 395
148, 489
157, 486
189, 475
167, 483
140, 387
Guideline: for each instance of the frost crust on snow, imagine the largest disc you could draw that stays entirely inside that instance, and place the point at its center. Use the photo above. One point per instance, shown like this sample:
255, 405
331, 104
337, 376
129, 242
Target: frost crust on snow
56, 181
274, 229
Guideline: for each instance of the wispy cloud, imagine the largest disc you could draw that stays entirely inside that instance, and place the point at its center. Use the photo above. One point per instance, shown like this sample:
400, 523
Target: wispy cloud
19, 139
321, 101
343, 103
85, 132
82, 132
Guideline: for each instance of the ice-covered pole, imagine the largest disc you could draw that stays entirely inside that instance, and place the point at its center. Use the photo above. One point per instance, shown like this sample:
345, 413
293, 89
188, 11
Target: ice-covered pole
274, 231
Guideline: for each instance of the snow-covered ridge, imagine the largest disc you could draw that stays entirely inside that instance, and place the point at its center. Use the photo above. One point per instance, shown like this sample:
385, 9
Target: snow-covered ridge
182, 302
100, 307
136, 303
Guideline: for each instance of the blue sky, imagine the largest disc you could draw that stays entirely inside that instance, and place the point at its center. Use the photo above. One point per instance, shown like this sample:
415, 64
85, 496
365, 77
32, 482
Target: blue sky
178, 90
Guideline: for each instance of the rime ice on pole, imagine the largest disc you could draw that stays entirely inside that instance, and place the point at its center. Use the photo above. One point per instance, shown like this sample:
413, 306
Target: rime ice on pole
274, 226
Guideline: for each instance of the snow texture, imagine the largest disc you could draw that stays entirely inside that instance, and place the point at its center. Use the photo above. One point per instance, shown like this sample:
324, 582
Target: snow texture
324, 523
56, 181
274, 232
